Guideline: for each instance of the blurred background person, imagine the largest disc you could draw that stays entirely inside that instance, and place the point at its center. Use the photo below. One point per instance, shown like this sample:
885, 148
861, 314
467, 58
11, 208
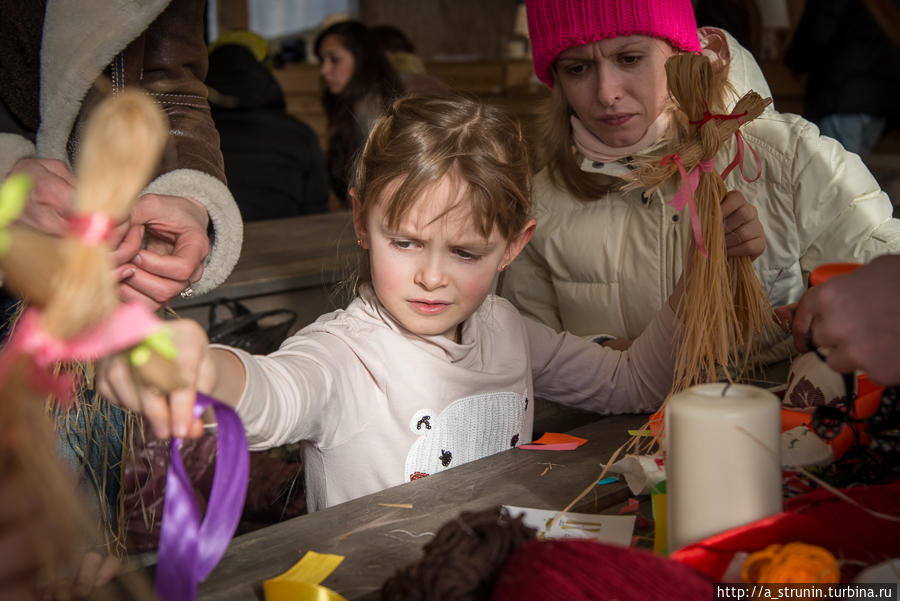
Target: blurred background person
850, 50
273, 161
401, 53
358, 83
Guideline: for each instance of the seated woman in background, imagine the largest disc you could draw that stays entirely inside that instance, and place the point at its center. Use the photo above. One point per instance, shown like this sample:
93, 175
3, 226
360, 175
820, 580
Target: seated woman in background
273, 161
602, 260
358, 84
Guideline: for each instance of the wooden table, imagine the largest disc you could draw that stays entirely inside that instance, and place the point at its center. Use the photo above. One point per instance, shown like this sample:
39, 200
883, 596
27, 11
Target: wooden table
294, 262
376, 540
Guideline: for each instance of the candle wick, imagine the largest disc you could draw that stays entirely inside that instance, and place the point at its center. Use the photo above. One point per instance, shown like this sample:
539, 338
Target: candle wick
725, 389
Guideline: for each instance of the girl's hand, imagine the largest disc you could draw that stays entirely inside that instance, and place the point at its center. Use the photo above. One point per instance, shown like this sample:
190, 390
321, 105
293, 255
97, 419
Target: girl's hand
744, 234
172, 414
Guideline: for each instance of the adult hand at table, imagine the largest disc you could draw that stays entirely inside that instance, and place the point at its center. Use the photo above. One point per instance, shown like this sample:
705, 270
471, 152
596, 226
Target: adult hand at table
857, 317
173, 231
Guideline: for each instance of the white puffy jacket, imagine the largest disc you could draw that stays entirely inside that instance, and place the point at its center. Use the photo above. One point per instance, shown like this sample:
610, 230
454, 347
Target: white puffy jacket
605, 267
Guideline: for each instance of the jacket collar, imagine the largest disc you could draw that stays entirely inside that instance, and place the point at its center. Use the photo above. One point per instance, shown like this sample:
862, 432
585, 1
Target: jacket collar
81, 37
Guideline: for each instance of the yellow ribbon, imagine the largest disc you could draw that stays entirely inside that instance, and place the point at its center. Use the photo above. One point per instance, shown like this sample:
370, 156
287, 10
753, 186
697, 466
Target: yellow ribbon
301, 582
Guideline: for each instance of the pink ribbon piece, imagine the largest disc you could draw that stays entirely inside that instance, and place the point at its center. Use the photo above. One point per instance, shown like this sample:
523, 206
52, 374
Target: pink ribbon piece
738, 160
92, 229
188, 548
129, 324
685, 194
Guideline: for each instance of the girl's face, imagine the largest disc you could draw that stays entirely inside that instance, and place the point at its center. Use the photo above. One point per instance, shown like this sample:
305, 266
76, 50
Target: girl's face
337, 64
617, 87
434, 270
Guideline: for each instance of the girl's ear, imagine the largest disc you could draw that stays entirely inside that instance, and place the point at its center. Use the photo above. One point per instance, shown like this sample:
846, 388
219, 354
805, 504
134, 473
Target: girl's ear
517, 244
359, 220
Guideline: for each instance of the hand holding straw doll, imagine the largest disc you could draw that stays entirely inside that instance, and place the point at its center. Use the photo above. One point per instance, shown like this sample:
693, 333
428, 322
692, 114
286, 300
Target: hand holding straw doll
75, 314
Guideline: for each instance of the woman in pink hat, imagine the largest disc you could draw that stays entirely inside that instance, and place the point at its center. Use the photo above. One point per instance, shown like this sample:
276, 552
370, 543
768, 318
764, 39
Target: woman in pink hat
603, 260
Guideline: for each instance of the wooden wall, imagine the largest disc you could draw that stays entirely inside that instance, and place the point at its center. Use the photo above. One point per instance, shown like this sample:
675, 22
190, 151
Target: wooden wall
479, 28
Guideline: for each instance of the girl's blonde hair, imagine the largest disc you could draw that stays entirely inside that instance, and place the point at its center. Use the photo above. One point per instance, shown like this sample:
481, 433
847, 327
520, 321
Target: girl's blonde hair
555, 148
421, 139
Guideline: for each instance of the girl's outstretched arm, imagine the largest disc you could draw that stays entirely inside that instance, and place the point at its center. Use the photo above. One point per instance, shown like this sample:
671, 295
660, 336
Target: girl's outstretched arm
214, 371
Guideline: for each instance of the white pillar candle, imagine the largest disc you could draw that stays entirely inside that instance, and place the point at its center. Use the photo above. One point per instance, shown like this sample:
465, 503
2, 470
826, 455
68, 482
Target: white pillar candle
722, 460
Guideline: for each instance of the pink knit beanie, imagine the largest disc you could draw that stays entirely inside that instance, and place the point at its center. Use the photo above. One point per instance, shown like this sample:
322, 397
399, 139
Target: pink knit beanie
557, 25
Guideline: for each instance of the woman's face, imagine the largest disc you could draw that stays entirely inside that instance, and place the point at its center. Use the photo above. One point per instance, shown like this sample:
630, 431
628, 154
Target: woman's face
617, 87
337, 65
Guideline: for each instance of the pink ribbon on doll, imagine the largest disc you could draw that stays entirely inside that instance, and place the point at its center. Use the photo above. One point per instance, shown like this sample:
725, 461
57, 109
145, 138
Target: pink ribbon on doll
128, 325
685, 194
92, 229
738, 160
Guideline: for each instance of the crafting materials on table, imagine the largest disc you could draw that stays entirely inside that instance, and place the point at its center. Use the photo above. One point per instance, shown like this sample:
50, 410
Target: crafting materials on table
722, 459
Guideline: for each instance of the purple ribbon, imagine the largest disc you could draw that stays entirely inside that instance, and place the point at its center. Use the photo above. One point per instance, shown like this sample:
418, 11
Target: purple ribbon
189, 549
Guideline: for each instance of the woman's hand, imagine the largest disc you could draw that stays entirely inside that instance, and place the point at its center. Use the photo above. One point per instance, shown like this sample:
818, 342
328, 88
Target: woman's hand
165, 246
744, 234
172, 414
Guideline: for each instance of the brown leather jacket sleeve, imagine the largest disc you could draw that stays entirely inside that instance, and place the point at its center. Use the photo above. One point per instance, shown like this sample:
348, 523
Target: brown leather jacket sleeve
170, 62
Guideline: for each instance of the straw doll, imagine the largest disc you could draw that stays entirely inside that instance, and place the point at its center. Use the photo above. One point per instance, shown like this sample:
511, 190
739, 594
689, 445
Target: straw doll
75, 315
724, 306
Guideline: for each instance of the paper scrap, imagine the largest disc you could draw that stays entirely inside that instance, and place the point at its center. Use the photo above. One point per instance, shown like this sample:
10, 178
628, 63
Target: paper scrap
641, 472
301, 582
554, 441
556, 438
631, 507
563, 446
611, 529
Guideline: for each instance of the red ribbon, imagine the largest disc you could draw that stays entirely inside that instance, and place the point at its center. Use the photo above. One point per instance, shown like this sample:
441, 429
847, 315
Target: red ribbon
739, 155
685, 194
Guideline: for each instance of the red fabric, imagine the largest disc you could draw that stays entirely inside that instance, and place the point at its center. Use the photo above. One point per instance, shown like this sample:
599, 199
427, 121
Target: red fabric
582, 570
817, 518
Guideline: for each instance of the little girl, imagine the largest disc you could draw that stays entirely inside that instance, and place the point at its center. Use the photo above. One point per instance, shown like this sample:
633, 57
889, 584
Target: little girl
425, 369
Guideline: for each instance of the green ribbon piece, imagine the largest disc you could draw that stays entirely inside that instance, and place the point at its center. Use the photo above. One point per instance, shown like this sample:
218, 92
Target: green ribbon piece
13, 196
159, 342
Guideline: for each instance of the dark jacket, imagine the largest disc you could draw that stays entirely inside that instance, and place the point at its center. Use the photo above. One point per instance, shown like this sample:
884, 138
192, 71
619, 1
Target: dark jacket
274, 162
853, 67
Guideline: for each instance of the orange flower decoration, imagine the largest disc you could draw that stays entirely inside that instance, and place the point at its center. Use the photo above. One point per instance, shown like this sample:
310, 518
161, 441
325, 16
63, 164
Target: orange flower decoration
791, 563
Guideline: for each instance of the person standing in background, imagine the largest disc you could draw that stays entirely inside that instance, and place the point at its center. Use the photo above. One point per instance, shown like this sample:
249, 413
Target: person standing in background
274, 163
850, 50
358, 84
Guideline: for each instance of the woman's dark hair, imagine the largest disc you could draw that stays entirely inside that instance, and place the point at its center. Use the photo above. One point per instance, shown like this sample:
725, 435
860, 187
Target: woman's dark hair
374, 82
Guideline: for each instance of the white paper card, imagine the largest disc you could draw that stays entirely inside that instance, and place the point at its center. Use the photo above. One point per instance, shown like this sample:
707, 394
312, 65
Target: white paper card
611, 529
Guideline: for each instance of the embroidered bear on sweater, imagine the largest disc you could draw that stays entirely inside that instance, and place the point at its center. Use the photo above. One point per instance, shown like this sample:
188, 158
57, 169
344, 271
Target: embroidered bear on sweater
469, 428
